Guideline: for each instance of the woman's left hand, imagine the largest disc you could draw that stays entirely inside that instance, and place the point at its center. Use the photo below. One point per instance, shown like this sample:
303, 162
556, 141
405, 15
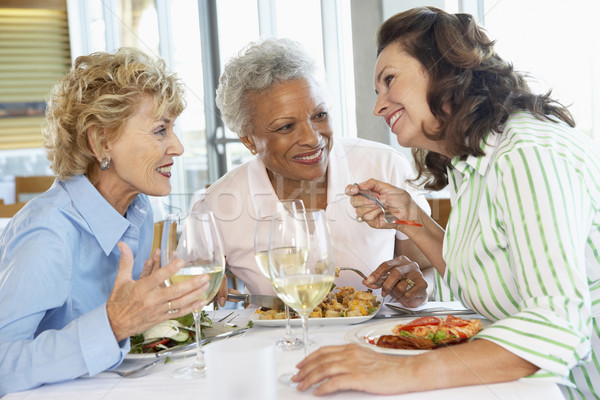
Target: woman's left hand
352, 367
400, 278
136, 305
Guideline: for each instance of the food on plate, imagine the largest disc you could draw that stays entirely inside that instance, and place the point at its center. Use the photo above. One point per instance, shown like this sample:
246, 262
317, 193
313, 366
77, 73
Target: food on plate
429, 332
167, 334
344, 302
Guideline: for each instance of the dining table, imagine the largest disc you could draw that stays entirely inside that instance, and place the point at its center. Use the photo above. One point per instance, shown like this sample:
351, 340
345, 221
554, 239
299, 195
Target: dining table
158, 382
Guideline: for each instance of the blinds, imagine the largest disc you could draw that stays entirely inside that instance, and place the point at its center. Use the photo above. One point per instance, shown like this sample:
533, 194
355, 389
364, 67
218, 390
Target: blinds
34, 54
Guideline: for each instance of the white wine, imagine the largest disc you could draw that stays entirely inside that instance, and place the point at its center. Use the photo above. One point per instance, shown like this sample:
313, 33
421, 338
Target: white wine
262, 260
214, 271
289, 260
303, 292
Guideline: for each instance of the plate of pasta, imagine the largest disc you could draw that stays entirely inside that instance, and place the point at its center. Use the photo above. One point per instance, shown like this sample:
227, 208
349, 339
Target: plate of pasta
342, 306
410, 336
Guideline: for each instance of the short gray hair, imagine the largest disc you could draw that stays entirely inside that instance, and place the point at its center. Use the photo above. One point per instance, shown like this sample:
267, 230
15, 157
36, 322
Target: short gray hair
257, 67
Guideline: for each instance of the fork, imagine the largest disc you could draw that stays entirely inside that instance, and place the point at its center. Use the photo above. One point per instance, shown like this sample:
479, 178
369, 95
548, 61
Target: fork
338, 269
134, 373
359, 272
387, 215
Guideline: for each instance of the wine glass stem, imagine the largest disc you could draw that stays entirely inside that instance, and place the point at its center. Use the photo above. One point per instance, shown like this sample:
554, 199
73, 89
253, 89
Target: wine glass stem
288, 329
199, 362
305, 332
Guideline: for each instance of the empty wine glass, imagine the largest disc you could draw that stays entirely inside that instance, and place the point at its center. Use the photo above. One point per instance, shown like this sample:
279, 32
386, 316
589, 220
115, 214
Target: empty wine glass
267, 210
301, 263
193, 238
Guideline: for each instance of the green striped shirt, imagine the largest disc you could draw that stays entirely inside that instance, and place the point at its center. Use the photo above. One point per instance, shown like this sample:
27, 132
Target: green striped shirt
522, 247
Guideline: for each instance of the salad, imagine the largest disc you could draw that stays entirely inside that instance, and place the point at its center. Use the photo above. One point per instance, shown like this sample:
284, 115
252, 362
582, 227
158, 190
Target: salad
168, 334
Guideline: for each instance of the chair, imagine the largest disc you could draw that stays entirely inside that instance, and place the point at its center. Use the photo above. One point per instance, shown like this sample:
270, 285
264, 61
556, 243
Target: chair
158, 228
440, 210
9, 210
27, 187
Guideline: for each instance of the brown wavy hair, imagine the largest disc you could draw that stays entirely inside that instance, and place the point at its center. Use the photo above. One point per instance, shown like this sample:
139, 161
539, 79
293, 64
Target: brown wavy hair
103, 90
478, 88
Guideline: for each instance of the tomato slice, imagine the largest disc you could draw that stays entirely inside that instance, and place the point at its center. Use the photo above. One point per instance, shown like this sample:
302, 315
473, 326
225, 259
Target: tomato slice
158, 342
422, 321
451, 320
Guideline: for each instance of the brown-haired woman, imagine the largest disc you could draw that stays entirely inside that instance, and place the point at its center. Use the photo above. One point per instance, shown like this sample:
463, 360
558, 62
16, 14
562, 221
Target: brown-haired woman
522, 241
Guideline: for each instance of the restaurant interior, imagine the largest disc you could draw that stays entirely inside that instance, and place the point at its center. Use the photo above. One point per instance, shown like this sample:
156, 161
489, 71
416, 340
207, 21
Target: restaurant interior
39, 39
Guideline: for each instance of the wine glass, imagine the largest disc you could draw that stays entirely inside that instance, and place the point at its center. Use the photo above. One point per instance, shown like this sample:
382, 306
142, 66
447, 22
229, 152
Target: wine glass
193, 238
301, 263
267, 210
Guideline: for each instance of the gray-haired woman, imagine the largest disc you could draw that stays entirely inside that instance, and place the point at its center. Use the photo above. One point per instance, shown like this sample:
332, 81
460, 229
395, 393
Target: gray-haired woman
271, 97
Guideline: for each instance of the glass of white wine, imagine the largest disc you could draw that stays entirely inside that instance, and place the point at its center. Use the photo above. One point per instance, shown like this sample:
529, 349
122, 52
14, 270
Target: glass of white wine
267, 210
301, 263
193, 237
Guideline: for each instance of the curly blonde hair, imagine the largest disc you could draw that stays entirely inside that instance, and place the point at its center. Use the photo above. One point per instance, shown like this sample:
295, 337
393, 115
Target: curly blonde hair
103, 90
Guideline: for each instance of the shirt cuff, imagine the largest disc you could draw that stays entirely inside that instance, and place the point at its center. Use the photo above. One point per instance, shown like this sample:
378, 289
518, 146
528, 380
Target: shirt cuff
99, 346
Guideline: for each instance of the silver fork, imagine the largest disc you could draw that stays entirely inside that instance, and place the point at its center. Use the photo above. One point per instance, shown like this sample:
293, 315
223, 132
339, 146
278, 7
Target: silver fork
359, 272
387, 215
140, 371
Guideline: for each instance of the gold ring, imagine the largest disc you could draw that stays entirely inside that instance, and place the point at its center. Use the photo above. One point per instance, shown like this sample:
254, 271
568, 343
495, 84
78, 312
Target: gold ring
409, 283
359, 219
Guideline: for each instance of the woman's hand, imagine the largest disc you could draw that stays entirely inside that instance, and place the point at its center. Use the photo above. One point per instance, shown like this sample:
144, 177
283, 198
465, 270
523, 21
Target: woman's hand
134, 306
152, 264
398, 201
221, 296
400, 278
352, 367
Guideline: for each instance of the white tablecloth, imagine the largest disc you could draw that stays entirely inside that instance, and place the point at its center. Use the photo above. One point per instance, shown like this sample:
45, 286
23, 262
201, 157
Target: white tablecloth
159, 384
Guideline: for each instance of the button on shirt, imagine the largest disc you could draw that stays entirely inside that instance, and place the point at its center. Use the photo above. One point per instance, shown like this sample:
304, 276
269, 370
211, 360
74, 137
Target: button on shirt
59, 260
522, 247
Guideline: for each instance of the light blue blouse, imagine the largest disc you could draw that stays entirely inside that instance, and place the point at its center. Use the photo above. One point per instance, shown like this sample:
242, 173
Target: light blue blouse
58, 263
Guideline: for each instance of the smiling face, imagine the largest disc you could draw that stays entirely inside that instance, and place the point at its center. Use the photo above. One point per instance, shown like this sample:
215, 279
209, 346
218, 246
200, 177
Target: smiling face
401, 85
141, 158
290, 130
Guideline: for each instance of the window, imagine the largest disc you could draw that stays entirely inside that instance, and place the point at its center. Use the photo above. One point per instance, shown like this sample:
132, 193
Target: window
558, 44
196, 46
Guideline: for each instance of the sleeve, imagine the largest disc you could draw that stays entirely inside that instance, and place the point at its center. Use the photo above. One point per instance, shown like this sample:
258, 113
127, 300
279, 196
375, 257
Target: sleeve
545, 214
43, 339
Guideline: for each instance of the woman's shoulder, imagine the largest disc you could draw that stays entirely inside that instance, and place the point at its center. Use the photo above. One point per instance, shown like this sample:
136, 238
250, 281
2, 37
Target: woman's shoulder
523, 130
232, 179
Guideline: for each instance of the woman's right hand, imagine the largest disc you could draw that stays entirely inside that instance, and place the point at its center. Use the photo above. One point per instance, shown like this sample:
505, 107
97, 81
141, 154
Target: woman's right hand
397, 200
134, 306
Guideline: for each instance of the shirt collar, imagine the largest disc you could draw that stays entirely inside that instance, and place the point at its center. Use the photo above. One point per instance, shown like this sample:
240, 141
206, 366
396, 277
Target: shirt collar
261, 188
104, 221
479, 164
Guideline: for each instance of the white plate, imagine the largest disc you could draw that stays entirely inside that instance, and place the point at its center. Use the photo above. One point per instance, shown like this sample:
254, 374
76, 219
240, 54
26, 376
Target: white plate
209, 332
316, 321
372, 331
146, 356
